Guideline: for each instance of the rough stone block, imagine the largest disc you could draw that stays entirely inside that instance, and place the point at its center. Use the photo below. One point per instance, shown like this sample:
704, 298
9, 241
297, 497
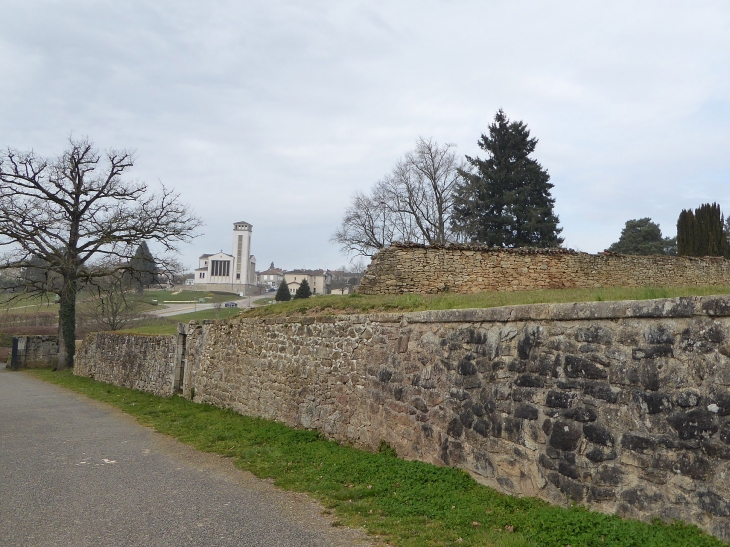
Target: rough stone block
565, 435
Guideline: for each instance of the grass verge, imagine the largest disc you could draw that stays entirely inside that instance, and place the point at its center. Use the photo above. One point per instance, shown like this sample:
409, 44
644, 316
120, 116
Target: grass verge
360, 303
406, 503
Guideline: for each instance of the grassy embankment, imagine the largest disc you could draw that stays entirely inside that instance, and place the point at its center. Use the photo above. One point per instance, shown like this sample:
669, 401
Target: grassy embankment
406, 503
358, 303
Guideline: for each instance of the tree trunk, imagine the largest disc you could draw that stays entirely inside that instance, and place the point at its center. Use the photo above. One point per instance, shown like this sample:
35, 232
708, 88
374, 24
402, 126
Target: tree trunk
67, 322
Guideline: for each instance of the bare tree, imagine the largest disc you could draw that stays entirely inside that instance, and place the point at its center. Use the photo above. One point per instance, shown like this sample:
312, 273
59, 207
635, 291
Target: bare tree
421, 186
411, 204
367, 226
76, 219
110, 305
358, 266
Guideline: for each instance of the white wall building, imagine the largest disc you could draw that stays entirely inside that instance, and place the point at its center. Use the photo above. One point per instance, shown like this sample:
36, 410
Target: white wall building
229, 271
317, 280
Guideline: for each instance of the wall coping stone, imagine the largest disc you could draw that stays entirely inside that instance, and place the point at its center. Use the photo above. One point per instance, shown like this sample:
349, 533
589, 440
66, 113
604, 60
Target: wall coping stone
683, 306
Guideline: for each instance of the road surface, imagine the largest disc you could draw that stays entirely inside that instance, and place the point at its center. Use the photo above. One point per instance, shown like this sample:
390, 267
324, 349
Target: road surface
75, 472
176, 309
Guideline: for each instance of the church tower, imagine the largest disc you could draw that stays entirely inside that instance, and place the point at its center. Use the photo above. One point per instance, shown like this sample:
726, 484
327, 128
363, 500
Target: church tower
241, 253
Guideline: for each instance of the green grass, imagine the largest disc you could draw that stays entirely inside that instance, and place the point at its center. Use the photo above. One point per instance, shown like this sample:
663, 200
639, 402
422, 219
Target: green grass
186, 296
359, 303
168, 325
21, 303
35, 303
407, 503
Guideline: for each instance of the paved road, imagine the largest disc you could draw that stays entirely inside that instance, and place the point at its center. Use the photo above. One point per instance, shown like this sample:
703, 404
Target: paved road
176, 309
74, 472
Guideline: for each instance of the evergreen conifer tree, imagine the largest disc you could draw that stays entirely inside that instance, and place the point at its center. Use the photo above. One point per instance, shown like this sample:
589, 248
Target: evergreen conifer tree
142, 268
505, 200
702, 232
304, 291
641, 237
282, 294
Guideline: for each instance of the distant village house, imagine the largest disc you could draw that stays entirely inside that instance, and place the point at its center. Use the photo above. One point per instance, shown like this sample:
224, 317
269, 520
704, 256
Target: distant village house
318, 280
271, 278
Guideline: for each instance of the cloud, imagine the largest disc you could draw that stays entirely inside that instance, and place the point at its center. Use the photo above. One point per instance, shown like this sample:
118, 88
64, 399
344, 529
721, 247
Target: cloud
277, 112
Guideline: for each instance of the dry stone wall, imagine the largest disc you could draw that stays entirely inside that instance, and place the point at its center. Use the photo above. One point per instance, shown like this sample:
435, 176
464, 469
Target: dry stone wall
36, 351
623, 406
146, 363
462, 269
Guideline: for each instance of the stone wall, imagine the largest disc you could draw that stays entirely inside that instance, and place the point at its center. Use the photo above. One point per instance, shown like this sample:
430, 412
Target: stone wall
463, 269
147, 363
35, 351
623, 406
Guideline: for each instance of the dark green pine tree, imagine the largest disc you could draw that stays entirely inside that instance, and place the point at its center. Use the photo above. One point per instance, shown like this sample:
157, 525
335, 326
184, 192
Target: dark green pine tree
642, 237
282, 294
505, 200
304, 291
143, 270
702, 232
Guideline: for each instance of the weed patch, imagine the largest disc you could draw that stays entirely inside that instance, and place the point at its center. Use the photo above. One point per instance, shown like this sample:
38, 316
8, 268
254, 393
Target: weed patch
409, 503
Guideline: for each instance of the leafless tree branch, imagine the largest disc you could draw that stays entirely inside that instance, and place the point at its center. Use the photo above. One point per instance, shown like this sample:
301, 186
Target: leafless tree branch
411, 204
73, 219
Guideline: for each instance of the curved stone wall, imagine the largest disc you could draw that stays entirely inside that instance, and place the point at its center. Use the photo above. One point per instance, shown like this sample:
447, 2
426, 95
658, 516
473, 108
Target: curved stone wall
464, 269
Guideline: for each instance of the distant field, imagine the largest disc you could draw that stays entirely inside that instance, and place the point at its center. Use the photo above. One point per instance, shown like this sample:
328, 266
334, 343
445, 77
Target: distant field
358, 303
17, 303
186, 296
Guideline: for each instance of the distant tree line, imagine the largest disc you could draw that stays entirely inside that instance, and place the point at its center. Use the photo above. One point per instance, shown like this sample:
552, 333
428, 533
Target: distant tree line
502, 200
702, 232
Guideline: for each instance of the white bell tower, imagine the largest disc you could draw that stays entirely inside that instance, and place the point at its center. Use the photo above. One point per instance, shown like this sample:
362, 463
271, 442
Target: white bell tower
241, 253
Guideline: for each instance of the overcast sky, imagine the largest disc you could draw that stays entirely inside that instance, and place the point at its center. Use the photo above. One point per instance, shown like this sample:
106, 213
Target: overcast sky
276, 112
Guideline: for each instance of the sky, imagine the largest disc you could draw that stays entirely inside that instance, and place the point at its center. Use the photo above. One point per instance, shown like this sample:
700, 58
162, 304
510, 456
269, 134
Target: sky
277, 112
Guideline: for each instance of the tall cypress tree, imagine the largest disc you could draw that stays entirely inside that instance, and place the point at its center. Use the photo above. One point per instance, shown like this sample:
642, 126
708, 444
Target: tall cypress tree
505, 200
702, 232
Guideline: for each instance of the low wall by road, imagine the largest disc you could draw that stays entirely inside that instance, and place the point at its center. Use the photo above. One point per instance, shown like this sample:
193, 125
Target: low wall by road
34, 351
465, 269
146, 363
623, 406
